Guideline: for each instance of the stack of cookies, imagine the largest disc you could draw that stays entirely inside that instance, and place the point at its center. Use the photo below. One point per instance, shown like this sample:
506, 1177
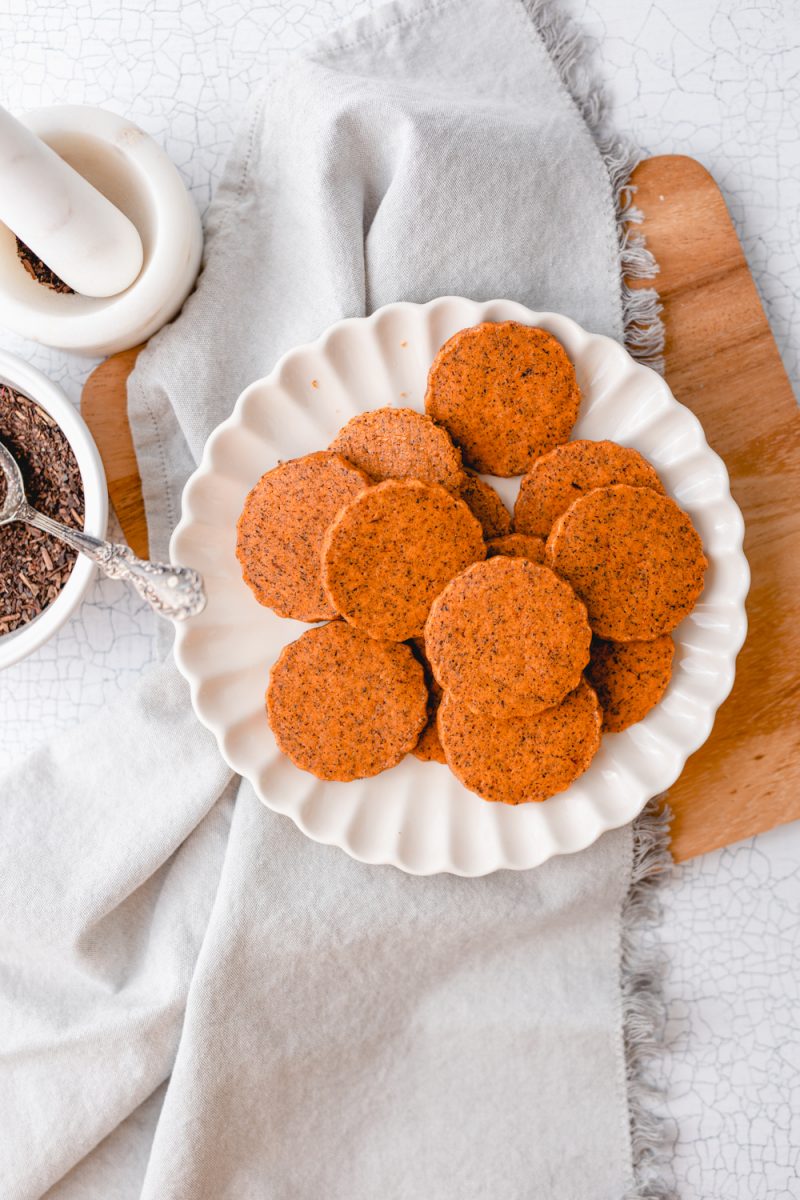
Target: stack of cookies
504, 649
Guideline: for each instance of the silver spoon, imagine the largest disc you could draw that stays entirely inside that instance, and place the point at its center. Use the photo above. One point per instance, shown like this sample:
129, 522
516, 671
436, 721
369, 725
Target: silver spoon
175, 592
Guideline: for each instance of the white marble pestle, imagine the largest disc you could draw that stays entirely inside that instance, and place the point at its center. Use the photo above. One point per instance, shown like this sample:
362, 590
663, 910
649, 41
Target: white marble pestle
67, 223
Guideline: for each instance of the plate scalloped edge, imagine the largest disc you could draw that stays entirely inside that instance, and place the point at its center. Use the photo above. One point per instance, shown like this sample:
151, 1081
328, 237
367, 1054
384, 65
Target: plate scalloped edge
417, 817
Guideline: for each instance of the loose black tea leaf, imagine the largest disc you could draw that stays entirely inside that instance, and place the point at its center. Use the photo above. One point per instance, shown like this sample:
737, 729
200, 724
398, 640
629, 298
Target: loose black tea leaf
40, 271
34, 566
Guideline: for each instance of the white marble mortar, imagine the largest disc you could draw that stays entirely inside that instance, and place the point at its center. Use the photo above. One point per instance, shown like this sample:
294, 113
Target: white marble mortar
131, 170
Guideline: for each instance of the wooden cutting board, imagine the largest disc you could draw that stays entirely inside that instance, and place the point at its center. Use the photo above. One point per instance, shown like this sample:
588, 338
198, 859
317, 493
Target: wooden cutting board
722, 362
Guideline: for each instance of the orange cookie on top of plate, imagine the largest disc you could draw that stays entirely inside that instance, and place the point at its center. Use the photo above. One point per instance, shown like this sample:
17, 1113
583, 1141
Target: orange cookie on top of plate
508, 637
506, 392
556, 480
522, 759
634, 558
630, 678
280, 531
391, 551
400, 443
374, 709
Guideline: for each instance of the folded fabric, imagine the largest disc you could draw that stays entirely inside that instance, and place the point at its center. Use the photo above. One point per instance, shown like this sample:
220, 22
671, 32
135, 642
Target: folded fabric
331, 1029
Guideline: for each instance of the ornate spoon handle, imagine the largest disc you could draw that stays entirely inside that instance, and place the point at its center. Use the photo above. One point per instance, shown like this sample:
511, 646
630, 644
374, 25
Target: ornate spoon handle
175, 592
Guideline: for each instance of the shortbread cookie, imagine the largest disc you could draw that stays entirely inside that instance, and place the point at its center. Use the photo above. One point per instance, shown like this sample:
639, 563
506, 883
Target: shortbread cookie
556, 480
508, 637
523, 759
633, 557
630, 678
345, 706
386, 560
400, 443
507, 394
280, 531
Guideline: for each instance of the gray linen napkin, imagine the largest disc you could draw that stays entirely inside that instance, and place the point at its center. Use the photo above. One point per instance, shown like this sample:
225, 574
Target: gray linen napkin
331, 1029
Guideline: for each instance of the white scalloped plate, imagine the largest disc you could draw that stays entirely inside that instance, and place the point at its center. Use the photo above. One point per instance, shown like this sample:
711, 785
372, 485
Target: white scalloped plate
418, 816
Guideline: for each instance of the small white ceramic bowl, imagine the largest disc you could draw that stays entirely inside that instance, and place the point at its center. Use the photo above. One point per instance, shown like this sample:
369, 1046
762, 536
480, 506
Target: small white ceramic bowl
18, 374
135, 174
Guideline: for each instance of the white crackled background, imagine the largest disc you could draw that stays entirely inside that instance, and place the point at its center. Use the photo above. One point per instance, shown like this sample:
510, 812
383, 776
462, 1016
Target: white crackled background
715, 79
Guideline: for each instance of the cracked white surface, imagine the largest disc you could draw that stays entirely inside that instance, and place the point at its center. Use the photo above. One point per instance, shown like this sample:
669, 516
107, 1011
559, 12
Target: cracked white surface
716, 79
719, 80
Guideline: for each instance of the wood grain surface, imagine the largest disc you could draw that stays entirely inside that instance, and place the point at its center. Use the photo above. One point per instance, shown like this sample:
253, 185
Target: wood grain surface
721, 362
104, 406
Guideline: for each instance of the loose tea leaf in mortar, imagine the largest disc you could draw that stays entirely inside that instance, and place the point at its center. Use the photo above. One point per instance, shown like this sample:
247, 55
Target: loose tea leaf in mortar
40, 271
34, 566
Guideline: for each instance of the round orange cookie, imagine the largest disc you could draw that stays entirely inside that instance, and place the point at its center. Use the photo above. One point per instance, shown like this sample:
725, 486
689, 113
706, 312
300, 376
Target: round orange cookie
633, 557
524, 758
429, 748
508, 637
556, 480
345, 706
484, 503
280, 531
400, 443
517, 545
390, 552
630, 678
506, 392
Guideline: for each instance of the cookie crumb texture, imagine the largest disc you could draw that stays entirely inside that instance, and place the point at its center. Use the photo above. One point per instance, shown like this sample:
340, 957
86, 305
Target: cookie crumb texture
392, 550
400, 443
559, 478
633, 557
526, 758
630, 678
345, 706
508, 637
484, 503
280, 532
428, 748
506, 392
517, 545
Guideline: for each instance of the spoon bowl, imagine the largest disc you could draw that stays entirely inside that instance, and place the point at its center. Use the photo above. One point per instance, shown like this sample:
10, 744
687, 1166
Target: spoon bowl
14, 490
